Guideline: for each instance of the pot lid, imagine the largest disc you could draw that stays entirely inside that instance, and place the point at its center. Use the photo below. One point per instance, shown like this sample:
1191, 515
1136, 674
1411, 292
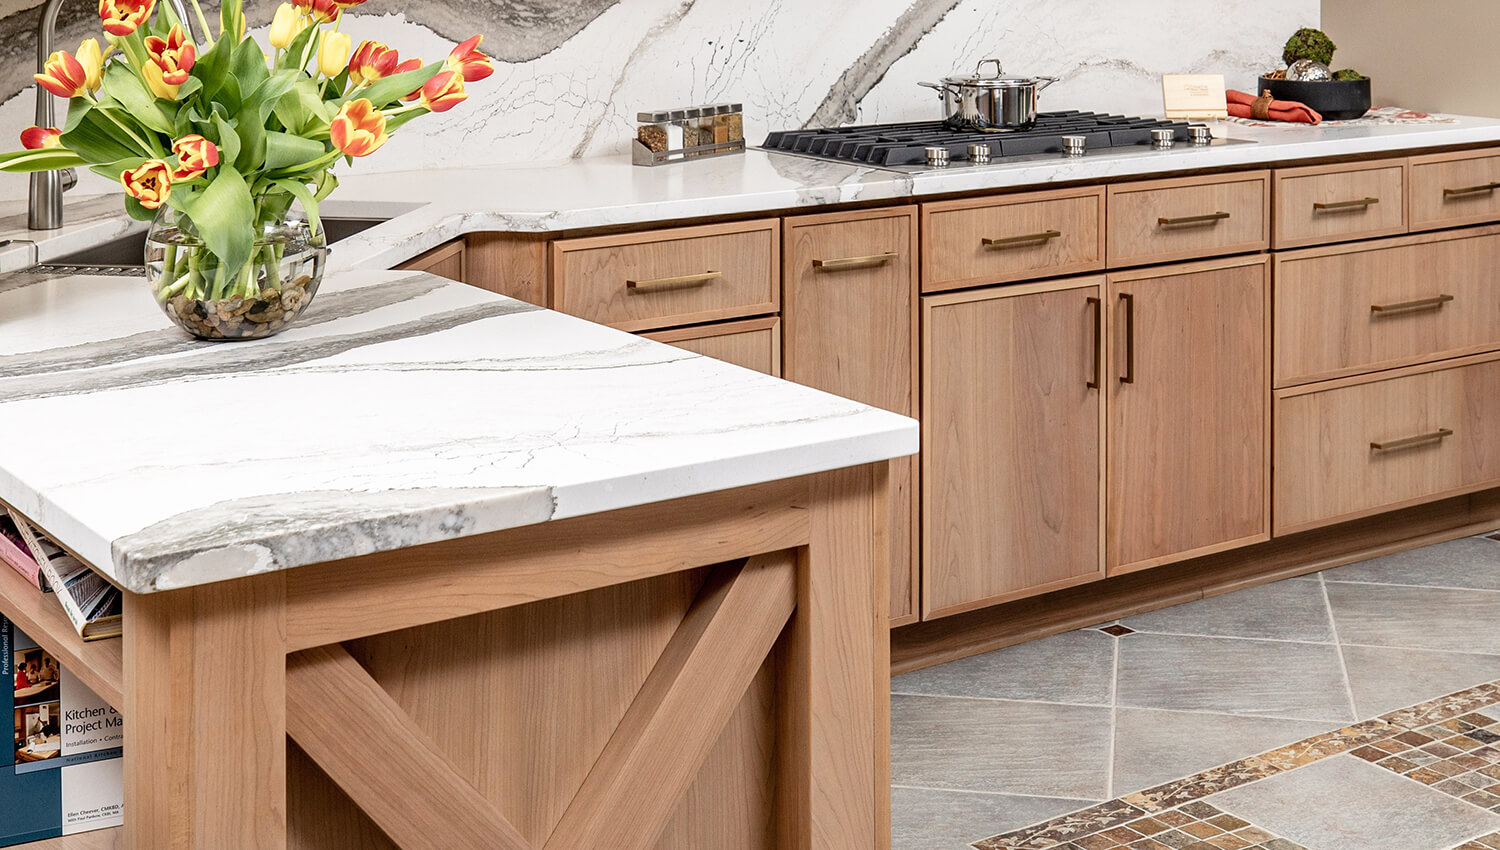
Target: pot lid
998, 79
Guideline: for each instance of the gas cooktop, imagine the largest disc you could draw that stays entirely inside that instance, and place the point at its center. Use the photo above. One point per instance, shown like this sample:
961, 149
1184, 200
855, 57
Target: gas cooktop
905, 147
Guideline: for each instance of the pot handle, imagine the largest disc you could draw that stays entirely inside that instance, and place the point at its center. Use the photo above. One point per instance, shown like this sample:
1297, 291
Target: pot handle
999, 72
1047, 81
942, 88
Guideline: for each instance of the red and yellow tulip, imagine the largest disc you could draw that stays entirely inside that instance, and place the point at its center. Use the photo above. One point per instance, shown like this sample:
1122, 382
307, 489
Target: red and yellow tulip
410, 65
123, 17
322, 11
92, 60
150, 183
36, 138
444, 91
358, 129
63, 75
467, 60
371, 61
195, 155
174, 55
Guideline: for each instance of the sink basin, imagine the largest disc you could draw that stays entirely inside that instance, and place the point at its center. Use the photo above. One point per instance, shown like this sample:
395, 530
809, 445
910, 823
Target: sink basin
128, 251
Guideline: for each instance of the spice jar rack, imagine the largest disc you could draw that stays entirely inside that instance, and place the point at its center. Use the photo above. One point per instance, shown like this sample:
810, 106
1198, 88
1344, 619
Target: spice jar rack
694, 132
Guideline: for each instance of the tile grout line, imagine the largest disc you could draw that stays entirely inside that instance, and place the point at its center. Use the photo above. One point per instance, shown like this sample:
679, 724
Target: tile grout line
1343, 665
1336, 720
1114, 726
994, 794
1415, 586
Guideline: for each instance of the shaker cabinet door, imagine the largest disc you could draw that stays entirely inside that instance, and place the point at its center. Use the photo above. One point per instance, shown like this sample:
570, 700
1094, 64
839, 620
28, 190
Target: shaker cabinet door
1012, 424
1189, 411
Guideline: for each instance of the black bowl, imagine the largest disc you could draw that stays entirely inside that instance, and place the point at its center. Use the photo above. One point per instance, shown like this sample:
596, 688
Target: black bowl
1334, 100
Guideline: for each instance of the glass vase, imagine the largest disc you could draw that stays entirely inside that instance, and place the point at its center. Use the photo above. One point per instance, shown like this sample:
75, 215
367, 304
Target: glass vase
260, 297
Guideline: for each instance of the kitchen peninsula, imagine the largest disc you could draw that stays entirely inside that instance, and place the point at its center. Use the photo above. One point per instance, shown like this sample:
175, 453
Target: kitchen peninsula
439, 568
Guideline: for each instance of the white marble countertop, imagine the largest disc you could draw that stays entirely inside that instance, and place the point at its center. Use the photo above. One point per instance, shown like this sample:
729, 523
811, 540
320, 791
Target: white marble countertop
604, 191
399, 410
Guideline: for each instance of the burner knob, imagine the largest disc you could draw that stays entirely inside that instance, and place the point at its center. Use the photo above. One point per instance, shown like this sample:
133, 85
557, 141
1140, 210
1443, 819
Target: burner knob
937, 156
1201, 134
1161, 138
1074, 145
979, 152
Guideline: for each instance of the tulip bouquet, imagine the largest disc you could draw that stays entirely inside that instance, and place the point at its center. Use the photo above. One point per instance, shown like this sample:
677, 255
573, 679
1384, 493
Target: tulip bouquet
224, 136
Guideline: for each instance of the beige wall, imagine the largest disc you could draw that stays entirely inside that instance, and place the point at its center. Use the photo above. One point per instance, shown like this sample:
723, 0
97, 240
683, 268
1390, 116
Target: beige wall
1431, 55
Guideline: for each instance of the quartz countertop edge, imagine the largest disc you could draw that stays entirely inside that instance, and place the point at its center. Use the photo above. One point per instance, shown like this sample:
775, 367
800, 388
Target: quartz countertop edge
402, 409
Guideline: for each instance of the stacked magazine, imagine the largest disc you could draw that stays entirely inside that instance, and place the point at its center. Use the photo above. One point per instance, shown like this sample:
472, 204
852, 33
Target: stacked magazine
91, 602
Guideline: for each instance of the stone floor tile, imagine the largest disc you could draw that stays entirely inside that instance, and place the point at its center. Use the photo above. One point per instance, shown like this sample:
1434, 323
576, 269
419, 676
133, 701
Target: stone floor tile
1154, 746
1387, 678
1342, 803
923, 819
1232, 676
1468, 562
1416, 617
1026, 748
1283, 610
1076, 667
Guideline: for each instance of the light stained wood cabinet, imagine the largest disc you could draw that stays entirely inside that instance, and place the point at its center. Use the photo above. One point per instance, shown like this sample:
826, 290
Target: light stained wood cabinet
1359, 446
979, 241
1012, 429
849, 329
1163, 221
446, 260
1453, 189
1356, 308
751, 343
1188, 469
1325, 203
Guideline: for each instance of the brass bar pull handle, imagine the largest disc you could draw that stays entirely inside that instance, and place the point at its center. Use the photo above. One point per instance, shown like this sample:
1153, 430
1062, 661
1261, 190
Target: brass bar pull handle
1434, 303
1360, 203
1098, 341
1210, 218
1129, 301
1008, 241
679, 280
1407, 442
1470, 190
855, 262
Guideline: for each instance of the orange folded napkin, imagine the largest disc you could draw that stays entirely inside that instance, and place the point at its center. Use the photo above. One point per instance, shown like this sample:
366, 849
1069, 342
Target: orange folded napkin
1242, 105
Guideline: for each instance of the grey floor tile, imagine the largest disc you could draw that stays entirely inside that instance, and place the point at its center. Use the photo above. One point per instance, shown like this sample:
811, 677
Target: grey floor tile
1342, 803
923, 819
1036, 749
1152, 747
1384, 679
1071, 667
1416, 617
1301, 681
1472, 562
1283, 610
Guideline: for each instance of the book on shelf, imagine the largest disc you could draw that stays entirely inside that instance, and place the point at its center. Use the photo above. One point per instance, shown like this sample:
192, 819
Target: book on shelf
63, 773
90, 601
15, 552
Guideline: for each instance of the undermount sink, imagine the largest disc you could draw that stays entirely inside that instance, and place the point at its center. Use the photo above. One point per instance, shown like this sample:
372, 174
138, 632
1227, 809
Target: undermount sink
128, 251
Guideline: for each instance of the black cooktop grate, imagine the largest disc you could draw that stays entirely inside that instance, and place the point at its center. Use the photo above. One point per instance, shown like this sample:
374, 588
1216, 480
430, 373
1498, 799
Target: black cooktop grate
906, 144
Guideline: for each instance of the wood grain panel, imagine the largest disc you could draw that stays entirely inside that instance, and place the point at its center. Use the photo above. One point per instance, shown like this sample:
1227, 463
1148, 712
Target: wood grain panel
447, 260
751, 343
1188, 439
513, 264
1136, 234
1441, 187
592, 277
1327, 203
852, 332
1326, 324
955, 252
1012, 443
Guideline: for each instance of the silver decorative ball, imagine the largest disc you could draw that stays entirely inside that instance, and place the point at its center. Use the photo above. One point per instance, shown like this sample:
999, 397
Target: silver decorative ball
1308, 71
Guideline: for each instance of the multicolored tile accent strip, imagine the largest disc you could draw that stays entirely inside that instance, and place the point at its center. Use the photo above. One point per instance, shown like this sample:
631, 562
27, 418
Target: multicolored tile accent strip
1484, 842
1451, 743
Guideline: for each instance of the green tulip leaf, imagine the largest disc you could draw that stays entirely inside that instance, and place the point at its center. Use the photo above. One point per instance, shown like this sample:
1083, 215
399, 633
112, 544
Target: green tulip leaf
45, 159
224, 214
284, 150
384, 92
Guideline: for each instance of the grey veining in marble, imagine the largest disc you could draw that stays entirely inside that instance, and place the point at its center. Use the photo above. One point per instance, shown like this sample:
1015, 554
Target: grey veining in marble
403, 409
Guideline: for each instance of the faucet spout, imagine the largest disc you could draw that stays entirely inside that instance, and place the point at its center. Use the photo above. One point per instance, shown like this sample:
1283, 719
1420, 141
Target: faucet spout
45, 209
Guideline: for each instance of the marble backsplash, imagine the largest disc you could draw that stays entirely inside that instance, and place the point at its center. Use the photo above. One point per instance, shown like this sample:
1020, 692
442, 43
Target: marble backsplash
571, 74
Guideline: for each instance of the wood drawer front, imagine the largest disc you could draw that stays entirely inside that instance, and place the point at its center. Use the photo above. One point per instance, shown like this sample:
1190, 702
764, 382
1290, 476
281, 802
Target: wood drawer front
976, 242
1450, 189
640, 281
1437, 297
1168, 220
751, 343
1327, 469
1333, 203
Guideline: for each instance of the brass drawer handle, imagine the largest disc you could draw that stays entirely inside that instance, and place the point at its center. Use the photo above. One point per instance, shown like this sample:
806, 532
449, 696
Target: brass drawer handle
679, 280
1360, 203
1470, 190
1128, 300
1407, 442
1210, 218
1435, 303
855, 262
1009, 241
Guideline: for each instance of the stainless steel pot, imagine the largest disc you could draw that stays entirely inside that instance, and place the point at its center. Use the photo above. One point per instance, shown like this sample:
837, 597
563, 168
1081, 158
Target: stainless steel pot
981, 101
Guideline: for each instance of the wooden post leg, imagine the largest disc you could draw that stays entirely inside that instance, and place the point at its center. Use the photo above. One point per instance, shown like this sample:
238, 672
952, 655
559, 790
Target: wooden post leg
205, 717
834, 702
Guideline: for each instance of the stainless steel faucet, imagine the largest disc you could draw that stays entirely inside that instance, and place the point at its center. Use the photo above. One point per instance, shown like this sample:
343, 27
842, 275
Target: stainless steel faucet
47, 187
